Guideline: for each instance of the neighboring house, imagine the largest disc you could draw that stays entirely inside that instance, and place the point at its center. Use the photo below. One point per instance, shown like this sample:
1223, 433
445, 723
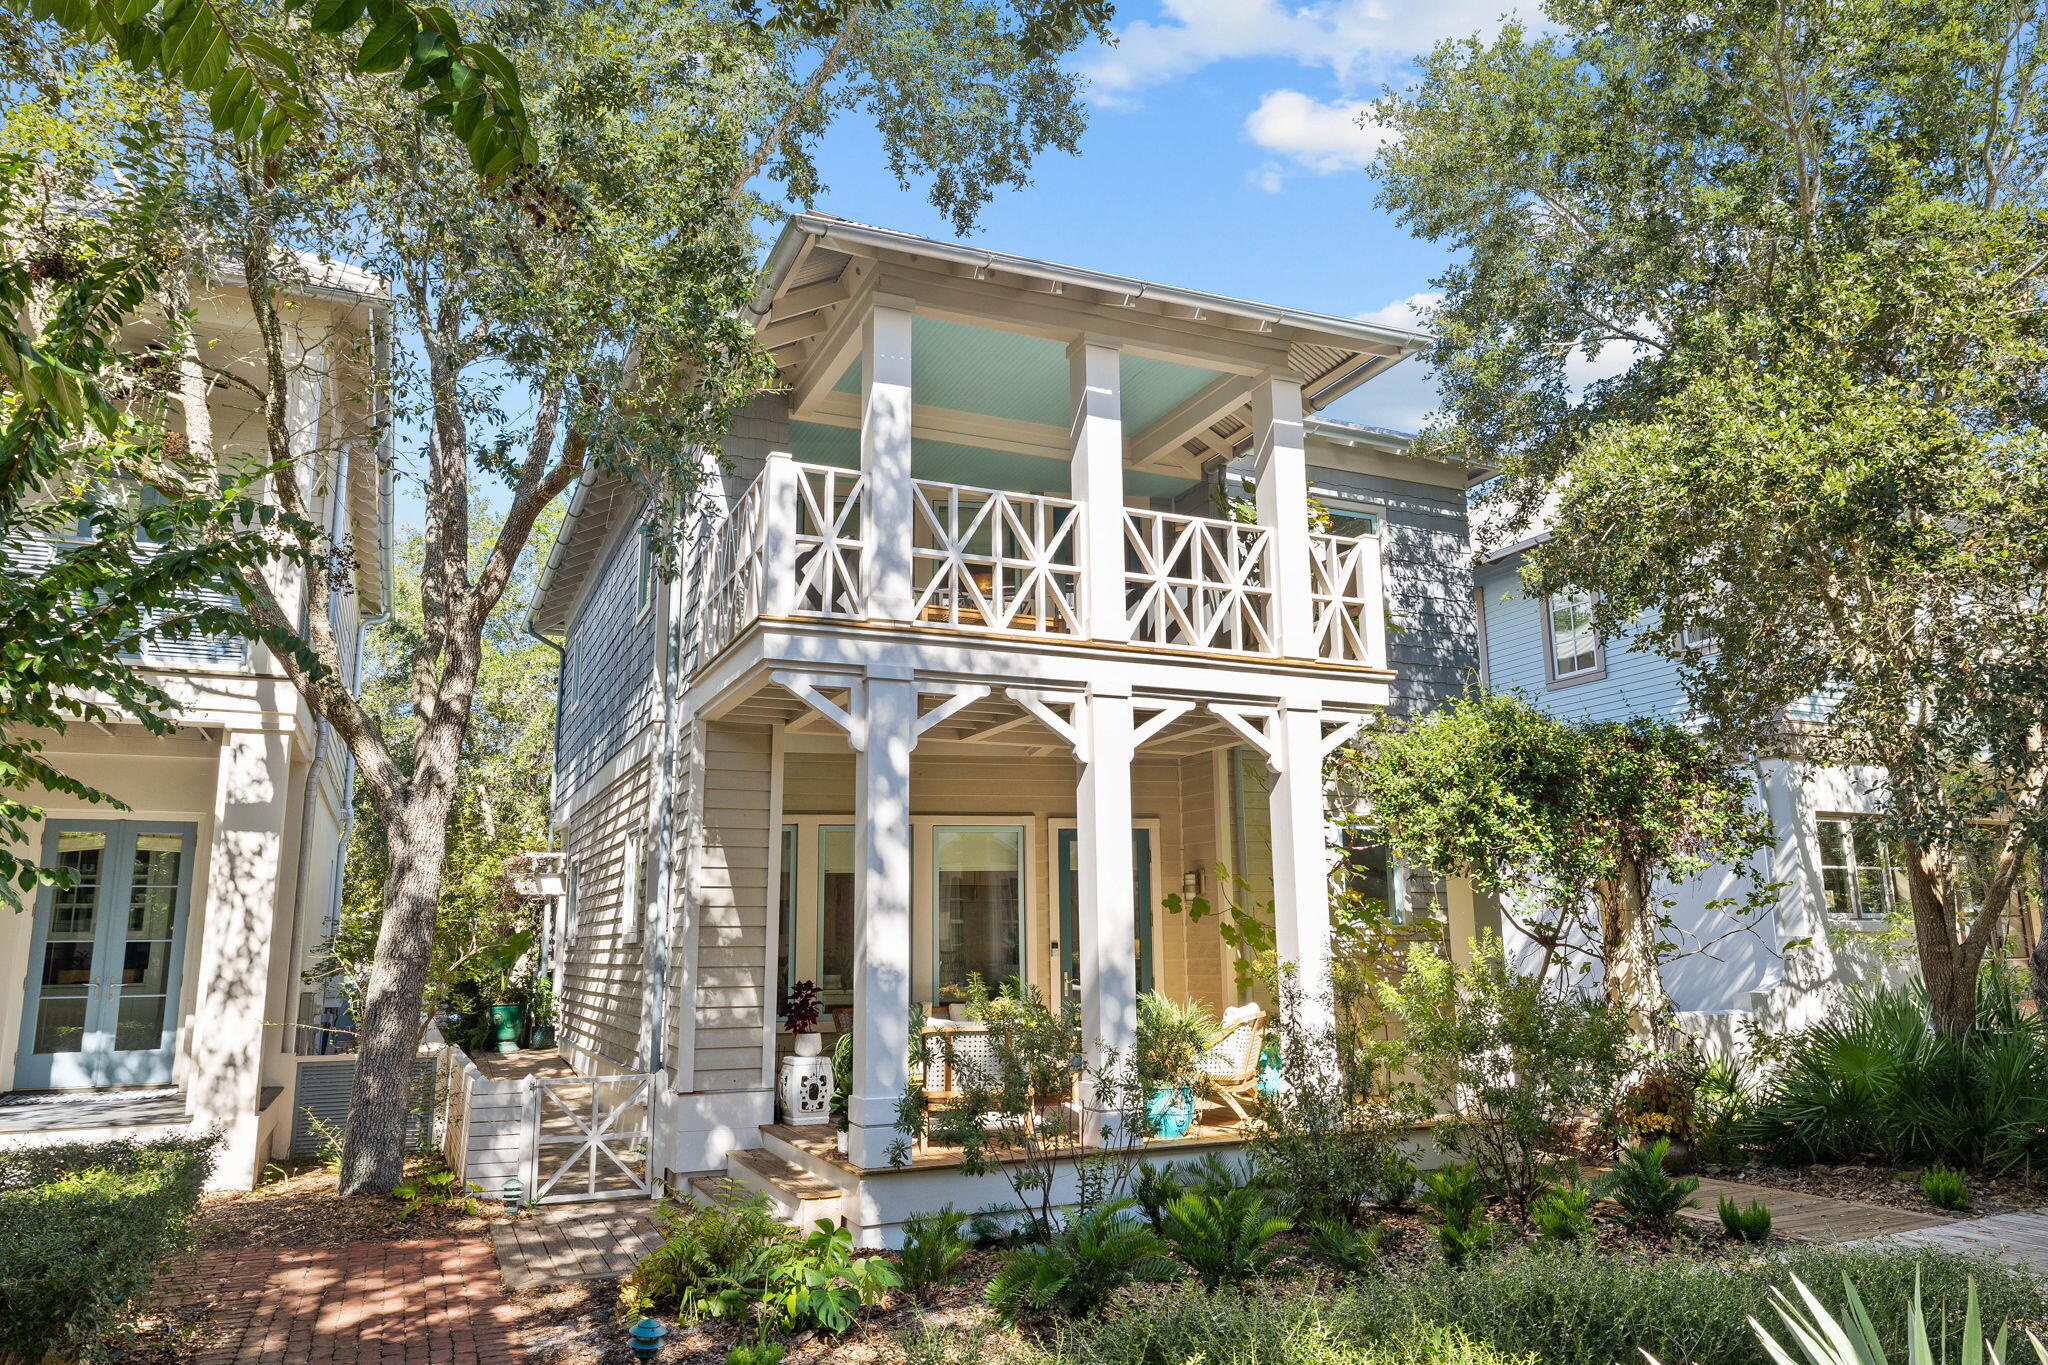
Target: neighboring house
1828, 878
162, 990
965, 652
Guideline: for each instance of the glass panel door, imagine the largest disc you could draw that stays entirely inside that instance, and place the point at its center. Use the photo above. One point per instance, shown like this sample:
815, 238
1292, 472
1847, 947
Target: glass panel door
835, 913
102, 1000
1141, 891
977, 907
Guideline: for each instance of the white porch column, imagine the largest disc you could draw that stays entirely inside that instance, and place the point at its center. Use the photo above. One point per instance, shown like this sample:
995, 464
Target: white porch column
1095, 393
1301, 860
1105, 918
1282, 496
881, 915
885, 457
778, 534
252, 800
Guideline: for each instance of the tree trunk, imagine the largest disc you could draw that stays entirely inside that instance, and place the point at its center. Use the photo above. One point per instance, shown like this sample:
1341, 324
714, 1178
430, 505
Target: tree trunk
373, 1151
1949, 962
1628, 952
2037, 959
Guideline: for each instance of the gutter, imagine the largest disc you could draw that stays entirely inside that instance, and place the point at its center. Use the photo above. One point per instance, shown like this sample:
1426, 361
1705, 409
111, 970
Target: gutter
554, 560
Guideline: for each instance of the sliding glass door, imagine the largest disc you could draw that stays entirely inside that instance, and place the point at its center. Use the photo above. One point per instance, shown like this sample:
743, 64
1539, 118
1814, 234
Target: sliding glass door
104, 956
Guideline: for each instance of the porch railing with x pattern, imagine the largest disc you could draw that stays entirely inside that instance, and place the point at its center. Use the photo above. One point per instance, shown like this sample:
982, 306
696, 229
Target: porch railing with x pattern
985, 559
1345, 589
1198, 583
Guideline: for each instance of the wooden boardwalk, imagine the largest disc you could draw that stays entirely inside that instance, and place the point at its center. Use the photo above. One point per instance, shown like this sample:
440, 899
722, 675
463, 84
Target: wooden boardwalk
1812, 1217
2021, 1237
561, 1243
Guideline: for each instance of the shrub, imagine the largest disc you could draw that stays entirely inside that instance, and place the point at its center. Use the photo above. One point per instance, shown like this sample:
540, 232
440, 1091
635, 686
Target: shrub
1658, 1104
1508, 1060
1224, 1238
1394, 1181
1346, 1246
1721, 1108
1944, 1188
1154, 1188
1075, 1273
1563, 1213
756, 1353
84, 1228
933, 1247
1825, 1339
1649, 1198
1752, 1224
1878, 1080
1453, 1193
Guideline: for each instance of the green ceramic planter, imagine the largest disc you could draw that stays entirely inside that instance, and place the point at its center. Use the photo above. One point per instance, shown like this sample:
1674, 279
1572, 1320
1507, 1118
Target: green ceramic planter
507, 1023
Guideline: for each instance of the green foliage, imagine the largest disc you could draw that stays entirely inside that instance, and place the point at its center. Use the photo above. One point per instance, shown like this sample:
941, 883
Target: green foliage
1945, 1188
1877, 1078
1172, 1036
1321, 1141
1245, 926
823, 1285
756, 1353
435, 1189
1821, 447
1076, 1271
1751, 1224
1346, 1246
1649, 1198
1456, 1197
84, 1228
933, 1247
1562, 1213
1589, 813
1153, 1187
1823, 1338
1507, 1059
1394, 1180
1225, 1238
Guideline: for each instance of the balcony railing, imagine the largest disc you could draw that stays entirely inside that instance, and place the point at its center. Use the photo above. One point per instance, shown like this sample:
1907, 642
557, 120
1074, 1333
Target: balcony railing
993, 561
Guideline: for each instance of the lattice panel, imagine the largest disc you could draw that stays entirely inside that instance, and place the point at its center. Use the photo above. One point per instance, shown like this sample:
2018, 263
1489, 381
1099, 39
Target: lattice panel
985, 559
1198, 582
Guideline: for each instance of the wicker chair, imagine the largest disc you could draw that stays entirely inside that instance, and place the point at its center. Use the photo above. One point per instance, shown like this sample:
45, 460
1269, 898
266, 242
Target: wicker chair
1230, 1067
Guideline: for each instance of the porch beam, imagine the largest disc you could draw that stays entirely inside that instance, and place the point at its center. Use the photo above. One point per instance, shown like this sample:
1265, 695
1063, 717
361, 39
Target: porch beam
1301, 863
1106, 922
1281, 462
1095, 399
885, 458
1161, 442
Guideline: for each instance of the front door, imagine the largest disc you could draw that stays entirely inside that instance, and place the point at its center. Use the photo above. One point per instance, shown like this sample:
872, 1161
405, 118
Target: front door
1070, 885
102, 997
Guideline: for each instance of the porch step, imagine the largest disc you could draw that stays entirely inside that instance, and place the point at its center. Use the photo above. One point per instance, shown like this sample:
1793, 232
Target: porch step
798, 1197
806, 1148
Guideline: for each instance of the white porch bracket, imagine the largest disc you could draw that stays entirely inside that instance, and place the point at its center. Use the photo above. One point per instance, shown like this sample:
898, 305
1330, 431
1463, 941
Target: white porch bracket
810, 689
1343, 734
1165, 714
1071, 729
961, 697
1254, 724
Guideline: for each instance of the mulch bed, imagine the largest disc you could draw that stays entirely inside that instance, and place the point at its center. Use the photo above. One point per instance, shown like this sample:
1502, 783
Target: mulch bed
1893, 1188
302, 1209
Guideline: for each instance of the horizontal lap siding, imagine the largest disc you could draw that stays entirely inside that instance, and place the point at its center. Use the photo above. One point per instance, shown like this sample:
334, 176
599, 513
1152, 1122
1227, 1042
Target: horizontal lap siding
1635, 683
602, 980
1203, 971
733, 971
609, 693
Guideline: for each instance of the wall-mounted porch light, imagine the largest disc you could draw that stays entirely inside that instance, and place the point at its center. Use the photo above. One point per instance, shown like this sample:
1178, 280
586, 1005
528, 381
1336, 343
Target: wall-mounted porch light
1191, 882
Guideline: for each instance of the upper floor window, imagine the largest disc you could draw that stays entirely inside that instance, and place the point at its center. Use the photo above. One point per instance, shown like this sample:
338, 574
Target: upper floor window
1360, 520
1859, 867
1573, 646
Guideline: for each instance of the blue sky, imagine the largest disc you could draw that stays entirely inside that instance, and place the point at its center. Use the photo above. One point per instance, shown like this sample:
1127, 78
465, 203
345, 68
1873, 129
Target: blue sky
1223, 153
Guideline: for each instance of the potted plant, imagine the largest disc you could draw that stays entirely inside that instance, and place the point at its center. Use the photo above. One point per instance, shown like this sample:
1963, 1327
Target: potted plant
1658, 1104
842, 1088
496, 975
800, 1017
1172, 1039
540, 1012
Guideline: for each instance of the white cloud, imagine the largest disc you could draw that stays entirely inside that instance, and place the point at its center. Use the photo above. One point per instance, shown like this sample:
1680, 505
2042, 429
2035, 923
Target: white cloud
1411, 312
1312, 136
1353, 39
1615, 358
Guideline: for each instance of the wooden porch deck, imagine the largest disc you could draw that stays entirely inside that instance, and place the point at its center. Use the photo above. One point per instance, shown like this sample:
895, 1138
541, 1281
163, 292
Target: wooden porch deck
821, 1142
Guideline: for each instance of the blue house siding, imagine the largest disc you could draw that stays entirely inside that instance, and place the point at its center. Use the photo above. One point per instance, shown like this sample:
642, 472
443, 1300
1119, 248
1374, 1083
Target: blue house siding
608, 690
1634, 683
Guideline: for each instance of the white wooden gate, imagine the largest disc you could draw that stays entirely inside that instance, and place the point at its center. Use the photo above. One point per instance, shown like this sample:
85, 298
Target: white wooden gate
589, 1137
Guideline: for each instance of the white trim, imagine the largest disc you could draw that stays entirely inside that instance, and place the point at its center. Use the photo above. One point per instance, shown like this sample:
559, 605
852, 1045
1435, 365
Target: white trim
1593, 672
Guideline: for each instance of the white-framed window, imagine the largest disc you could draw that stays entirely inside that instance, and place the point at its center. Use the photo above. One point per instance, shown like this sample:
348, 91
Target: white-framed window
977, 906
633, 886
643, 601
1570, 641
1859, 867
1362, 520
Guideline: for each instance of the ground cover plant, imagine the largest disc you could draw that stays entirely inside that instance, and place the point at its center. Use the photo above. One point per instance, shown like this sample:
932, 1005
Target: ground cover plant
1879, 1080
1555, 1306
1751, 1223
84, 1228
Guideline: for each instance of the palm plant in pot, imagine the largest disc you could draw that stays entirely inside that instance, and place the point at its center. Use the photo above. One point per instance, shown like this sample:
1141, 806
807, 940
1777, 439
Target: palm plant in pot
1173, 1036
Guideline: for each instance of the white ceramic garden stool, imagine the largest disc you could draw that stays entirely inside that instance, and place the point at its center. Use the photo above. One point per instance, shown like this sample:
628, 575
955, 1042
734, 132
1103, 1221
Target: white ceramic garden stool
806, 1083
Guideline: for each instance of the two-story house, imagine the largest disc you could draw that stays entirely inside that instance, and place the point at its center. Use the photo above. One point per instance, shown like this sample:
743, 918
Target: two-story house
1007, 620
161, 991
1773, 941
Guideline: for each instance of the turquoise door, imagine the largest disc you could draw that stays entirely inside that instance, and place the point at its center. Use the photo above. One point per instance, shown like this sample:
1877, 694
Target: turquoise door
1141, 892
105, 955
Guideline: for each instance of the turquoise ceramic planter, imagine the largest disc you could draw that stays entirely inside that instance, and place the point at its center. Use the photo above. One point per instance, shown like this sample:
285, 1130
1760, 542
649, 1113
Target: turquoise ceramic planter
507, 1023
1171, 1112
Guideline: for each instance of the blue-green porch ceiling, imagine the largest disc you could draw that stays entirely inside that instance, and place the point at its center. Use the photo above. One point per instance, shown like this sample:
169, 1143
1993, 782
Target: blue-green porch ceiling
965, 368
943, 462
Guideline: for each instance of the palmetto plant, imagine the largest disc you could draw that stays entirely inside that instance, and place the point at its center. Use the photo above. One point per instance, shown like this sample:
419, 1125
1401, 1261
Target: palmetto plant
1226, 1238
1075, 1273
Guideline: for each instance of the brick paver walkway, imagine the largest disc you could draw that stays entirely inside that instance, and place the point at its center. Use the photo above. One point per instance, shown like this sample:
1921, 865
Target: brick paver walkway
563, 1243
434, 1302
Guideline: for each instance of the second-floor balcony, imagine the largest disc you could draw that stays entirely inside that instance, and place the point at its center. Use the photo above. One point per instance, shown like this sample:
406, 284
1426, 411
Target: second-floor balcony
812, 541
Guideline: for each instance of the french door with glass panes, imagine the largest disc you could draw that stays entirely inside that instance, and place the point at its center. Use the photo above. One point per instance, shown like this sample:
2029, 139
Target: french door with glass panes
102, 999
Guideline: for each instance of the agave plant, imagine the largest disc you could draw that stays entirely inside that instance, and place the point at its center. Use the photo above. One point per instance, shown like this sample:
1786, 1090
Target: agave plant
1821, 1338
